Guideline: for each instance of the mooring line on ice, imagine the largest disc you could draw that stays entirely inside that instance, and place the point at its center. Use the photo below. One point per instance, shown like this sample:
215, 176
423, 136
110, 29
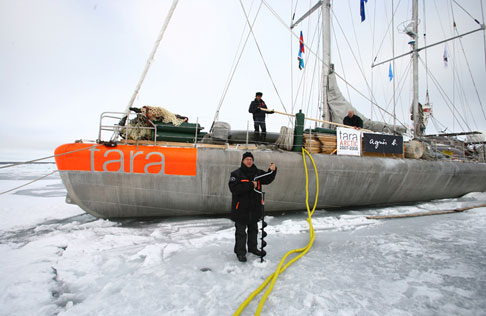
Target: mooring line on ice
44, 158
455, 210
274, 276
26, 184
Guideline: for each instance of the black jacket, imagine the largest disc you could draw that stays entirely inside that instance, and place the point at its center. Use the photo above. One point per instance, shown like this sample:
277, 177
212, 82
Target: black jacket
353, 121
258, 115
246, 204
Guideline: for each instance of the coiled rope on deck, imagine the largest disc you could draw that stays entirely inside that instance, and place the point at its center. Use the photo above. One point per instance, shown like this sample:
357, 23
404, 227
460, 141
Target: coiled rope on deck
274, 276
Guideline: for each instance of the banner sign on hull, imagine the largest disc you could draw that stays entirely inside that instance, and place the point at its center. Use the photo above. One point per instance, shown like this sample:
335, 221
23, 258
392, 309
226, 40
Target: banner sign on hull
127, 159
348, 141
384, 144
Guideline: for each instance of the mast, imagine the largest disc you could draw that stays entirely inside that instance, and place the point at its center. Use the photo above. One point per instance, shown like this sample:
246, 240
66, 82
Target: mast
326, 58
415, 107
151, 57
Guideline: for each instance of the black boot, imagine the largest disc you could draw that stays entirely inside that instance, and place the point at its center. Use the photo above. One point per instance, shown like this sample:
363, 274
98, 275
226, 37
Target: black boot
241, 258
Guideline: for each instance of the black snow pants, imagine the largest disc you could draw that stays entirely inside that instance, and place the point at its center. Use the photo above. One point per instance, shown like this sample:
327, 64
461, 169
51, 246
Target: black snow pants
241, 237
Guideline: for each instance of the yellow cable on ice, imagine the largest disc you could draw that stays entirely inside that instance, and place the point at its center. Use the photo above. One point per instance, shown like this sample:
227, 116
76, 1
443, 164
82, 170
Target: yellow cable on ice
274, 276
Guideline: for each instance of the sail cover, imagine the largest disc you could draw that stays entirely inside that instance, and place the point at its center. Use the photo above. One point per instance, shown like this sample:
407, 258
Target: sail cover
339, 108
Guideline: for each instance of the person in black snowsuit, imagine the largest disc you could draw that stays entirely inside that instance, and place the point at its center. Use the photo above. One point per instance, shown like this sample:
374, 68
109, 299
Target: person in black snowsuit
353, 120
259, 116
246, 204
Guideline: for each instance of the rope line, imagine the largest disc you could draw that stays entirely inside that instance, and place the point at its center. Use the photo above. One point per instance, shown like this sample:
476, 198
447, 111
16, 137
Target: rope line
35, 160
236, 62
341, 62
475, 20
446, 98
484, 34
304, 72
472, 79
26, 184
261, 55
360, 68
320, 59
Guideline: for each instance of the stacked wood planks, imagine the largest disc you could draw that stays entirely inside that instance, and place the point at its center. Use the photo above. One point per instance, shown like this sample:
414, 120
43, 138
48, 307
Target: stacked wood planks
328, 141
320, 143
312, 144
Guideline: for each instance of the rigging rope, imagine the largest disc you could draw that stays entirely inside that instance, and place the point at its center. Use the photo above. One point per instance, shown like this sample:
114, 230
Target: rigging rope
484, 34
425, 45
475, 20
320, 59
472, 78
357, 63
384, 36
261, 55
354, 31
236, 62
304, 72
453, 65
446, 98
440, 20
341, 61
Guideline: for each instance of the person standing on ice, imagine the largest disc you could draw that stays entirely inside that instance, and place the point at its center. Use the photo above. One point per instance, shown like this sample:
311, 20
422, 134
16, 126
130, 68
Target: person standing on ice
259, 116
246, 204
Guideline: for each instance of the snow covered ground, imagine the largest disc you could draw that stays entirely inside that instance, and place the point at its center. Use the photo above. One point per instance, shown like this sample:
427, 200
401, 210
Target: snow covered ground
57, 260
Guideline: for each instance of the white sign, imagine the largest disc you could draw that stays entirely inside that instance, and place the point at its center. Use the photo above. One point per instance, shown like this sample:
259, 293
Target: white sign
348, 141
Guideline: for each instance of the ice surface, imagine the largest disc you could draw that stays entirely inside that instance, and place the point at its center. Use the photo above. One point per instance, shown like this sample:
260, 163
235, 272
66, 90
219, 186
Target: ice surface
57, 260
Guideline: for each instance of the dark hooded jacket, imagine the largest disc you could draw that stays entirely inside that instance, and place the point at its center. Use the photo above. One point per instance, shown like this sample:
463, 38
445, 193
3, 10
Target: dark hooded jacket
255, 106
246, 204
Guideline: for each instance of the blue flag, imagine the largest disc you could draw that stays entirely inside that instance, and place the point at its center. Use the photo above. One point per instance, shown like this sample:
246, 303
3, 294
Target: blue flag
362, 9
390, 73
301, 50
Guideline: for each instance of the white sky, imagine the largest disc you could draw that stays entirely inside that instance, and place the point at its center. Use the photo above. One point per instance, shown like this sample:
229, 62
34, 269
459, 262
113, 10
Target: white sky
63, 63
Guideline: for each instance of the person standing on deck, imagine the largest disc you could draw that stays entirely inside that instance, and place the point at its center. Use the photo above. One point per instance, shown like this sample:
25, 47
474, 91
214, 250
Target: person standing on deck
259, 116
246, 204
353, 120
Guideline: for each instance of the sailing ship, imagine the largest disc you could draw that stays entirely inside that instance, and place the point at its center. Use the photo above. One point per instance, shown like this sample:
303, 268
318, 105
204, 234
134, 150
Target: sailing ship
157, 164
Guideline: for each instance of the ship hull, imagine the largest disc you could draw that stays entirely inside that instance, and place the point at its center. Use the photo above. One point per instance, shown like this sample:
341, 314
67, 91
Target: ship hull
196, 183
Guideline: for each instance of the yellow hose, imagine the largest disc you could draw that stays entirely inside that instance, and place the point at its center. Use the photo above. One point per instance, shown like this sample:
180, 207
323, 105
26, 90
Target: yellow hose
274, 276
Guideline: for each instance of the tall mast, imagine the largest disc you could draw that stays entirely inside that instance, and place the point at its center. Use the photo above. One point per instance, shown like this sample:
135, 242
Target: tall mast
151, 57
326, 57
415, 107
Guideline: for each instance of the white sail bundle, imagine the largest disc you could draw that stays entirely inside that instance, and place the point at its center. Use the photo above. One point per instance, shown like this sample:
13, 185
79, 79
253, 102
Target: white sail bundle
339, 108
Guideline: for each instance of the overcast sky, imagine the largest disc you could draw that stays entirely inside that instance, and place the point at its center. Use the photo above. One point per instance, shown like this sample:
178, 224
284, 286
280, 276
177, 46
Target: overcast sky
63, 63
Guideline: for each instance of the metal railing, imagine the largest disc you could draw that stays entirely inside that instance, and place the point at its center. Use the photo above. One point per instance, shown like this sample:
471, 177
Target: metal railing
118, 130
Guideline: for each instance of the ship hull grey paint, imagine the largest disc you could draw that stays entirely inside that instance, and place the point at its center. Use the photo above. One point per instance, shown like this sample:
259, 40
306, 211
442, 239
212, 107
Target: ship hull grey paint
343, 181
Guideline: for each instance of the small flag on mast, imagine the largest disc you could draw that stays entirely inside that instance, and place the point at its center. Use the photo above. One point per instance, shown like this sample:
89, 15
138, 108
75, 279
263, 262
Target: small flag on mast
362, 9
390, 73
446, 56
301, 51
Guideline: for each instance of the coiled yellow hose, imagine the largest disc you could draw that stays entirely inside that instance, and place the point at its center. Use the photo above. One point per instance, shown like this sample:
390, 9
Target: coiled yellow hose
274, 276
